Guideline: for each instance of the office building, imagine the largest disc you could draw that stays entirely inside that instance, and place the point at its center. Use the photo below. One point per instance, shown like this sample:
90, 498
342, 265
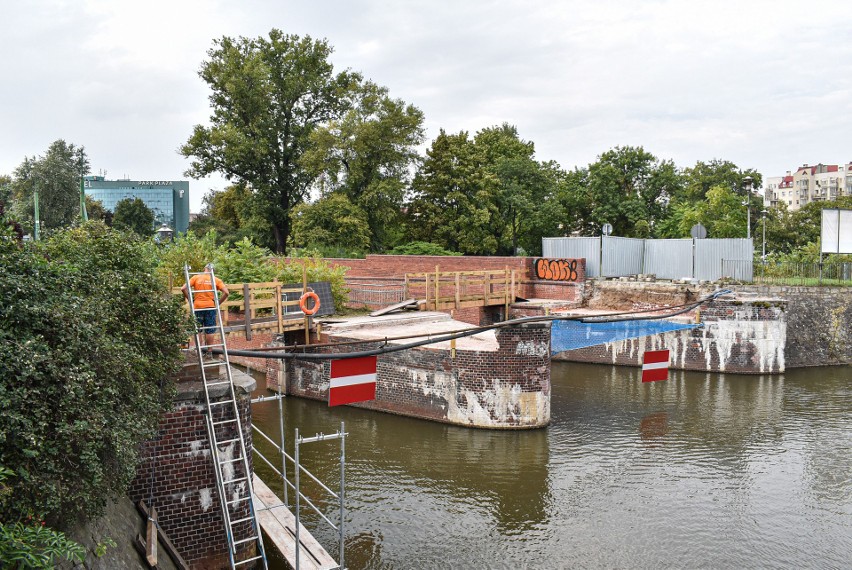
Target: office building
169, 200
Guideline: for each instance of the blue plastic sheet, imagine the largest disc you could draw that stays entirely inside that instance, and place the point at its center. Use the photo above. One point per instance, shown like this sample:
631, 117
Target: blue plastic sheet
569, 335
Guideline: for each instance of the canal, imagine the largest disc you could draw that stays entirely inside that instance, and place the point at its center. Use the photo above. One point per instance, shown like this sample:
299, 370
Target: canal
700, 471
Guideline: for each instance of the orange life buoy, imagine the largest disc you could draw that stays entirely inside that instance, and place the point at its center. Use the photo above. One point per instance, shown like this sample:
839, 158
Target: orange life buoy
303, 303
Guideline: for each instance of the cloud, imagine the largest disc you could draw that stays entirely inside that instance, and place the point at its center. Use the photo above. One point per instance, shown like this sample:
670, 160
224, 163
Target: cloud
763, 84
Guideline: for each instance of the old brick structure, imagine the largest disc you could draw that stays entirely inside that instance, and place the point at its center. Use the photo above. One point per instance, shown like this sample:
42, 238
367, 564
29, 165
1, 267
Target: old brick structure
498, 379
177, 477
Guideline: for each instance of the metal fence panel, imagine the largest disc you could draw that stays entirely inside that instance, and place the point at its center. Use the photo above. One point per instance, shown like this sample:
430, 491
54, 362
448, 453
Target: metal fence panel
622, 256
709, 254
587, 248
668, 258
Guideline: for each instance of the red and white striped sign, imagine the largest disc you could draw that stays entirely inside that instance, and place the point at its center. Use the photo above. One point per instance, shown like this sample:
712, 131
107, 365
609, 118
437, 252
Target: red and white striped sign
655, 365
352, 380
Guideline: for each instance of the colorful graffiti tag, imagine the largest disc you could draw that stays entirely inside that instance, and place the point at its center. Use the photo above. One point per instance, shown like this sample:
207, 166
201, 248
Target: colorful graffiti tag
556, 269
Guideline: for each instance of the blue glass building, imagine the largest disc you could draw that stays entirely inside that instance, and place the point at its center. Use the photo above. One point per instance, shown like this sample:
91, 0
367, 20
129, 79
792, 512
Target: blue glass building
169, 200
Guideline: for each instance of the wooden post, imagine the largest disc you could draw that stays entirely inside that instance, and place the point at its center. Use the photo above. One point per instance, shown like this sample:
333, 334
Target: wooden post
486, 284
458, 294
405, 289
427, 292
514, 296
506, 294
452, 348
278, 307
437, 290
247, 309
151, 539
305, 290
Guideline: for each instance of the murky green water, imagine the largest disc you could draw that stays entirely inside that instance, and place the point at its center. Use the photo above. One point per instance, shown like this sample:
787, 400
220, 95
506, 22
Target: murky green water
700, 471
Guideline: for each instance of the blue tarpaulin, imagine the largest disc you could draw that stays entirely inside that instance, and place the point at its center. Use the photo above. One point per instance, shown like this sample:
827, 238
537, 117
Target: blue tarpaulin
568, 335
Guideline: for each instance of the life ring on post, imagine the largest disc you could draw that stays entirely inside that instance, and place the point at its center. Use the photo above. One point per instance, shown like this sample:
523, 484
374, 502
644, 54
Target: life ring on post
303, 303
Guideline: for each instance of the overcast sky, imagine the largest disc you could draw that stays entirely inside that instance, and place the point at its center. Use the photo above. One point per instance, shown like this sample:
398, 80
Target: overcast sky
764, 84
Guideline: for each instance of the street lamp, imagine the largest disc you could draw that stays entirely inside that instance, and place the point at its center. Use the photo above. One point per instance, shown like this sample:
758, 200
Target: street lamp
763, 252
747, 185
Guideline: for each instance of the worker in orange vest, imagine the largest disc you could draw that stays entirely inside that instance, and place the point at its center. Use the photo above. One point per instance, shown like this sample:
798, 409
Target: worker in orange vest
204, 303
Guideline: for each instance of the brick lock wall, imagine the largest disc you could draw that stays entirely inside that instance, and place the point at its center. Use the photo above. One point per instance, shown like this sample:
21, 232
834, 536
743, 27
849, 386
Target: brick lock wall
737, 336
176, 477
819, 323
509, 388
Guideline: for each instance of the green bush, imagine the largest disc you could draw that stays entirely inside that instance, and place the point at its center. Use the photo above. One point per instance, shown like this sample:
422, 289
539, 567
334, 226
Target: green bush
318, 269
420, 248
186, 248
88, 336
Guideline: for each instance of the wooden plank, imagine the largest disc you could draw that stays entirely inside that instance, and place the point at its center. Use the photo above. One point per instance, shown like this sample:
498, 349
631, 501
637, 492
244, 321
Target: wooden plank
392, 308
151, 540
164, 540
279, 524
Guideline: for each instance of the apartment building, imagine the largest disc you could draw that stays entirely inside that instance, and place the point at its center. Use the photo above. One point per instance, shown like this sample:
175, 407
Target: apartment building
808, 184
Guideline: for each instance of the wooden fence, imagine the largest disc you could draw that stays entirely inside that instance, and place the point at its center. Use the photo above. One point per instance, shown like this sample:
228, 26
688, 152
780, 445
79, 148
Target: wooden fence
462, 289
260, 307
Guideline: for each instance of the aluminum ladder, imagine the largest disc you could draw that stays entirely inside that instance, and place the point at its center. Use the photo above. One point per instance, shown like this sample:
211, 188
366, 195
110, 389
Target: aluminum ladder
227, 442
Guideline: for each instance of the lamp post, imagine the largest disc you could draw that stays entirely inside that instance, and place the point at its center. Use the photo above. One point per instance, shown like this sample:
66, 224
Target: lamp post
747, 204
763, 251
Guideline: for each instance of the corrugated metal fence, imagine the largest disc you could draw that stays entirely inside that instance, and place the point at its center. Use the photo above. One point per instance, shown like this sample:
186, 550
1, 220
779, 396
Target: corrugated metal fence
666, 258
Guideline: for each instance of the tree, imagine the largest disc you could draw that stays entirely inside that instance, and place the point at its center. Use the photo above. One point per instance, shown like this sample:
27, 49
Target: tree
131, 214
367, 155
722, 213
96, 211
699, 179
332, 222
83, 368
56, 177
454, 203
268, 96
624, 186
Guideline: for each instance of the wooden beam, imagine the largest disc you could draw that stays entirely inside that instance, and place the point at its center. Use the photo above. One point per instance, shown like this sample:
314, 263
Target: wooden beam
163, 539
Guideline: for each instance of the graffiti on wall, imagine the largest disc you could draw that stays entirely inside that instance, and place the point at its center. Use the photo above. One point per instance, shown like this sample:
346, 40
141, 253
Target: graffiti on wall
555, 269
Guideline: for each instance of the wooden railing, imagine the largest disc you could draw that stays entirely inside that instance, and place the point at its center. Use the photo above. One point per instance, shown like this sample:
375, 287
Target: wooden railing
259, 307
462, 289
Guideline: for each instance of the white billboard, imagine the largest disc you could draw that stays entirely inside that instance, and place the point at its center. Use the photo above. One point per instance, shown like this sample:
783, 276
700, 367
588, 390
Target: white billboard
836, 234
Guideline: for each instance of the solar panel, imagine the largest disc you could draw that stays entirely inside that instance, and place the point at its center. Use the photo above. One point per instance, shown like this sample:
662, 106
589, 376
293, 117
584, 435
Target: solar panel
323, 291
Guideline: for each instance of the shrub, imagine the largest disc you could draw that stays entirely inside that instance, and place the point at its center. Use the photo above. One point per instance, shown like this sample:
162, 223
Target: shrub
186, 248
318, 269
420, 248
88, 336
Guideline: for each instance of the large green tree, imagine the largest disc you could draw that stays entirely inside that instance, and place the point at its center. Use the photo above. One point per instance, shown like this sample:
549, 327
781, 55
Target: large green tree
267, 96
367, 155
56, 177
131, 214
454, 198
625, 186
699, 179
332, 224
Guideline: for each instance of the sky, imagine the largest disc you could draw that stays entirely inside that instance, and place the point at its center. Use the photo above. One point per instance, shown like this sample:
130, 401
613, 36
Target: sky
764, 84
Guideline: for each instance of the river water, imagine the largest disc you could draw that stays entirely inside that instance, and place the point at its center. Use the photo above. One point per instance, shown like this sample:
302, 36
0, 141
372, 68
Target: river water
700, 471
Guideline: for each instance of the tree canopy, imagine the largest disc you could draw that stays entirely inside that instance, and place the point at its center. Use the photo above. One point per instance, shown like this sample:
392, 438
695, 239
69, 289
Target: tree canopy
268, 95
131, 214
56, 178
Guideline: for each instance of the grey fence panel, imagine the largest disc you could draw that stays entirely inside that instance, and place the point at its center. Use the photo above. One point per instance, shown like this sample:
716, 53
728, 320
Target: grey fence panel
668, 258
622, 256
587, 248
709, 254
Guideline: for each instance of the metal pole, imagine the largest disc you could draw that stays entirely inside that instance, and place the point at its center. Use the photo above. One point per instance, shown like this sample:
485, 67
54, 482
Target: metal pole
748, 217
763, 252
342, 478
281, 426
36, 225
83, 213
298, 492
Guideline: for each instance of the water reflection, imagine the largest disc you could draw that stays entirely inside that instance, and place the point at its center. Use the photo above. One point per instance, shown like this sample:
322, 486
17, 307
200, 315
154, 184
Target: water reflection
701, 470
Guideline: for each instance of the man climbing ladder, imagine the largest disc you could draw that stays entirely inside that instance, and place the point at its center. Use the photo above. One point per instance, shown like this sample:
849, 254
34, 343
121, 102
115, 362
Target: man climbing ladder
203, 302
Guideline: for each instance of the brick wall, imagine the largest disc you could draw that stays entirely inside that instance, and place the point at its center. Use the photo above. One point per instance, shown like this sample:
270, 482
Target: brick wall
746, 337
506, 388
819, 323
176, 474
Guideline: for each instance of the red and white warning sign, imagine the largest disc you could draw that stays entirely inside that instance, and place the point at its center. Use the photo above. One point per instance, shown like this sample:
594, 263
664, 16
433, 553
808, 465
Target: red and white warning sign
352, 380
655, 365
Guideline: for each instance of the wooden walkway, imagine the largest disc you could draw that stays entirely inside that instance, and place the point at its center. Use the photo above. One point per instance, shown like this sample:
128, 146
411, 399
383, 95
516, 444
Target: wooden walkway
279, 524
441, 291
